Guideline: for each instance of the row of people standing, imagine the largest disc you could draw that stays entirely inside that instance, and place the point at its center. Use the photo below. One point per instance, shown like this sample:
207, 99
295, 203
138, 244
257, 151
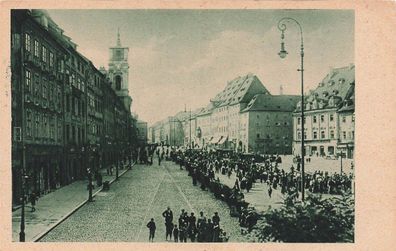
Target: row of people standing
195, 229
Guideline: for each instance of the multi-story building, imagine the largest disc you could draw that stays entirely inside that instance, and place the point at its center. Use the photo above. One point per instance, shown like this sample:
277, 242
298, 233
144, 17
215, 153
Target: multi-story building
225, 116
60, 125
266, 124
37, 65
329, 116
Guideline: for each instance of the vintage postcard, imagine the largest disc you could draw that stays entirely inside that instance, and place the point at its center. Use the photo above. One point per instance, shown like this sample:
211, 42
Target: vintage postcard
197, 125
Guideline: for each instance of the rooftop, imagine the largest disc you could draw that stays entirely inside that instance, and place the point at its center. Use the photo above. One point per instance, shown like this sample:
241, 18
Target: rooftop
264, 102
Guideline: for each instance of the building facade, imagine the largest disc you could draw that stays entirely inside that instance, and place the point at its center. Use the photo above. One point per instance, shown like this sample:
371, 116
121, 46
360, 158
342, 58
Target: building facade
64, 110
142, 132
329, 116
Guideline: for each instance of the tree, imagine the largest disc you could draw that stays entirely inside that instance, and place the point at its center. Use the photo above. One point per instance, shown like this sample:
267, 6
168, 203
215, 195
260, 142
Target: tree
318, 219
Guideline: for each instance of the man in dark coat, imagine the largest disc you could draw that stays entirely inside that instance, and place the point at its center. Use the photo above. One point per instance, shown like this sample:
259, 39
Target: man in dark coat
168, 215
152, 227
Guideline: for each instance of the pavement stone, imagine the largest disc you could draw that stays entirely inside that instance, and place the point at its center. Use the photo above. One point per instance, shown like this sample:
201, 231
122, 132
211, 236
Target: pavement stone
143, 193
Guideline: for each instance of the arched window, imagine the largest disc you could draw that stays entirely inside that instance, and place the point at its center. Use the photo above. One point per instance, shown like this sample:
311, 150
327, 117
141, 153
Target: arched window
118, 81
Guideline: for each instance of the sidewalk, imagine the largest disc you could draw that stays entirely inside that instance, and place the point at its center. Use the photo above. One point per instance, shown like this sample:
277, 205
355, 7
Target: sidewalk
55, 206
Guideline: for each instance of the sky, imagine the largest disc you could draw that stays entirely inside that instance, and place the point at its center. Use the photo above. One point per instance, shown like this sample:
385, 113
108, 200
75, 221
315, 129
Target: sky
183, 58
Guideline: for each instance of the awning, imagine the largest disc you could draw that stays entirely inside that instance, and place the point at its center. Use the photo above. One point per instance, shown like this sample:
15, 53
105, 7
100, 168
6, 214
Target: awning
215, 140
222, 140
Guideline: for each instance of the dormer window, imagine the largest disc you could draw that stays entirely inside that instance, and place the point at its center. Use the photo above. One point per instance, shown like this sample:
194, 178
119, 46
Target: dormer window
325, 94
331, 82
341, 81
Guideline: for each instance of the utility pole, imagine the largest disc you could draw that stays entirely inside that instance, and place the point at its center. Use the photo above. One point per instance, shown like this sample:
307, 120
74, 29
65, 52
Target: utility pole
190, 130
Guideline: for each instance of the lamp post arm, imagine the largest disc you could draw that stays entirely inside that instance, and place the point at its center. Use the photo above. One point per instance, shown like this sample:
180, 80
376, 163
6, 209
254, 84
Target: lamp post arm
282, 27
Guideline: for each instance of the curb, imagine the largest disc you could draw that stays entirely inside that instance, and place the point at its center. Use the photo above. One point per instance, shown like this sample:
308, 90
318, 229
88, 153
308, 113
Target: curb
43, 234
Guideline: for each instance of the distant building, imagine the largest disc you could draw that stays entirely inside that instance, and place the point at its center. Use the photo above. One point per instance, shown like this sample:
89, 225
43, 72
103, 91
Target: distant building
142, 132
230, 120
329, 126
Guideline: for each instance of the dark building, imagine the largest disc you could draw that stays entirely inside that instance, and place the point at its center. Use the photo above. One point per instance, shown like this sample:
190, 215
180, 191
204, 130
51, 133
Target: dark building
65, 115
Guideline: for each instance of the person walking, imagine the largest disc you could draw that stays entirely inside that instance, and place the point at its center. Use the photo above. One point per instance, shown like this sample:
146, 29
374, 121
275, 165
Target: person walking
151, 226
32, 200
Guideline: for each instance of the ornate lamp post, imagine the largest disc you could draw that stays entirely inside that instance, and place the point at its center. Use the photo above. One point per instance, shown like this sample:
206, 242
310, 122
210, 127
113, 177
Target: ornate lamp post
282, 54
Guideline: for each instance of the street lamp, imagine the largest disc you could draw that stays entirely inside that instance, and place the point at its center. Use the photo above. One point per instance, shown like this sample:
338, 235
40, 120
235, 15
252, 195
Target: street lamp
282, 54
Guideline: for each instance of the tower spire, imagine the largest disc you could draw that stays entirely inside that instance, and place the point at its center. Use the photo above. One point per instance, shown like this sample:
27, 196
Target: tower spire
118, 37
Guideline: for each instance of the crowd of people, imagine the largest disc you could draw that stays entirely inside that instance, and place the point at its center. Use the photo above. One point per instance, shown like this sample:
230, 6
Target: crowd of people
250, 169
205, 168
190, 227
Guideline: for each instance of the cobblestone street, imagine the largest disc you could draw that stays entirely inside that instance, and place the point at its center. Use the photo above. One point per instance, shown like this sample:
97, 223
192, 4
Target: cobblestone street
121, 214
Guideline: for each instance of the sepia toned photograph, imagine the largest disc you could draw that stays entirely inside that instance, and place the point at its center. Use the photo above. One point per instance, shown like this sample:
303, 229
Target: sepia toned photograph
183, 125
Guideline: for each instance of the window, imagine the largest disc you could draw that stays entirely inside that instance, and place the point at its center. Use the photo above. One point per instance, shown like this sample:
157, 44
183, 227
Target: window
51, 59
315, 135
353, 118
67, 133
37, 85
298, 121
343, 119
67, 103
305, 135
73, 134
27, 42
331, 134
321, 118
353, 134
29, 123
37, 129
44, 54
344, 135
36, 48
314, 119
44, 89
118, 81
59, 130
258, 135
28, 80
45, 127
331, 117
322, 134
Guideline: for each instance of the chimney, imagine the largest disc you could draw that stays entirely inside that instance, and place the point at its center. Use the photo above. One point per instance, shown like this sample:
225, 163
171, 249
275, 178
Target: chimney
280, 90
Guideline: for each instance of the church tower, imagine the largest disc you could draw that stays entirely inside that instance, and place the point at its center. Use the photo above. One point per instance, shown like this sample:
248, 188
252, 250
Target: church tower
119, 72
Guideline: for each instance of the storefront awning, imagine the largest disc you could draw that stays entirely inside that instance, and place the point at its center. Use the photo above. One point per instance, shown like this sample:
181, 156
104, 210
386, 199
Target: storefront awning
215, 140
222, 140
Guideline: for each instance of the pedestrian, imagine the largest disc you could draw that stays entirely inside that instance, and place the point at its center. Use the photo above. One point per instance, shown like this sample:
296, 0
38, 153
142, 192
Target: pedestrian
209, 231
152, 227
176, 233
269, 191
168, 215
183, 231
33, 199
216, 218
